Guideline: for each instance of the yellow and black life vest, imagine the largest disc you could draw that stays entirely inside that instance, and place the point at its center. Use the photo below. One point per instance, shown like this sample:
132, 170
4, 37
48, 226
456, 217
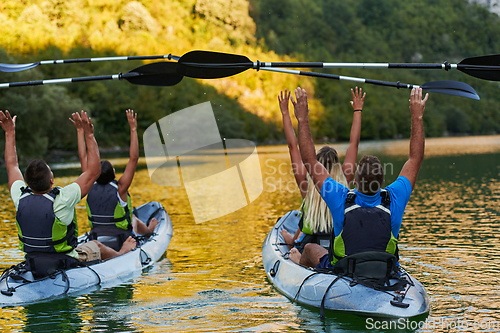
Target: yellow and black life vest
38, 227
365, 229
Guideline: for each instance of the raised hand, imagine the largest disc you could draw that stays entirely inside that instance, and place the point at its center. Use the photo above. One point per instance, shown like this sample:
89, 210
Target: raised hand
77, 121
283, 101
358, 99
417, 104
301, 106
7, 122
132, 119
87, 125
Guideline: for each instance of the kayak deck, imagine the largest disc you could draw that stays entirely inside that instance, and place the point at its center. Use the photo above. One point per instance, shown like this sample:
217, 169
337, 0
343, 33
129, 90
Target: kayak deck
308, 286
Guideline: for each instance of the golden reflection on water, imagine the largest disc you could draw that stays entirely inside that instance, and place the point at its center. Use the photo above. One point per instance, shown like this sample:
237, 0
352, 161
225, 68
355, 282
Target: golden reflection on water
213, 279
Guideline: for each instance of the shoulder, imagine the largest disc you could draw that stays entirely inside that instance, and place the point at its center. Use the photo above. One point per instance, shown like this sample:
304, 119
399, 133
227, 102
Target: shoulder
16, 192
333, 189
70, 193
71, 189
400, 189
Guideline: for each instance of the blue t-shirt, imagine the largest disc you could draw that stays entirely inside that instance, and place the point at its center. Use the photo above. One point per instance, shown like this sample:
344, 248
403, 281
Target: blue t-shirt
335, 195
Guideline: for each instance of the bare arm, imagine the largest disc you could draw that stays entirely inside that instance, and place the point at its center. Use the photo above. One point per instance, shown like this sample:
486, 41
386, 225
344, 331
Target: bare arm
82, 151
90, 175
306, 144
299, 170
351, 155
128, 175
417, 138
8, 124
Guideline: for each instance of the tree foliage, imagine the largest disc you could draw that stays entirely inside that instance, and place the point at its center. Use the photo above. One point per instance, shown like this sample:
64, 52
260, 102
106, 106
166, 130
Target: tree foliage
388, 31
245, 104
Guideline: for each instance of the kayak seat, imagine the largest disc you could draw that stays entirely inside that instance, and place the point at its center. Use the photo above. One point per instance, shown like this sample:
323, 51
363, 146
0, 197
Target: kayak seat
372, 269
42, 264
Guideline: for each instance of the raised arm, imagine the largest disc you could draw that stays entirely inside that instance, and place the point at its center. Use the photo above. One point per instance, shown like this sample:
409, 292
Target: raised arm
8, 124
90, 175
299, 170
351, 155
417, 138
82, 151
128, 175
306, 144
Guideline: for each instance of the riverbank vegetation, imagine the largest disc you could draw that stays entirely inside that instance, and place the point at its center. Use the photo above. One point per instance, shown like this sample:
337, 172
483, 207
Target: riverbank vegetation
245, 105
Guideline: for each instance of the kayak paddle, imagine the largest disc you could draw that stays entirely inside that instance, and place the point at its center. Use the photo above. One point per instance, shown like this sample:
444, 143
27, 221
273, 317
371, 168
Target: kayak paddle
155, 74
455, 88
9, 68
482, 67
207, 65
171, 73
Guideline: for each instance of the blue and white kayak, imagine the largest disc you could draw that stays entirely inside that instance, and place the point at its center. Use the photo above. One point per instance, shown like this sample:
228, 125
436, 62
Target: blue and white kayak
308, 286
18, 286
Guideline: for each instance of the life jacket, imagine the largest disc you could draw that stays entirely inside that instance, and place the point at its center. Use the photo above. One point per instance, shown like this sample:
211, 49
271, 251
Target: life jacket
110, 222
38, 227
320, 238
364, 229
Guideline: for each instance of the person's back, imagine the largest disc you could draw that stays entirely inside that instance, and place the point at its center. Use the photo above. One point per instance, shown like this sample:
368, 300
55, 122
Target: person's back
316, 221
369, 217
55, 232
109, 206
110, 221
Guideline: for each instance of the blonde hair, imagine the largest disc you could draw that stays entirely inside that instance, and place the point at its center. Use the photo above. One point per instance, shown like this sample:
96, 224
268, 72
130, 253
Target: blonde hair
317, 216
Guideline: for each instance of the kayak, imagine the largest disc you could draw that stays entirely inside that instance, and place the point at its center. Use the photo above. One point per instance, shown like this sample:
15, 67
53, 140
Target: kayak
17, 285
339, 293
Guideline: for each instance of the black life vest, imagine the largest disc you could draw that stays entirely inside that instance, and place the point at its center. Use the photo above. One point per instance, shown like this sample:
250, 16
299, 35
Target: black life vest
320, 238
365, 229
38, 227
110, 222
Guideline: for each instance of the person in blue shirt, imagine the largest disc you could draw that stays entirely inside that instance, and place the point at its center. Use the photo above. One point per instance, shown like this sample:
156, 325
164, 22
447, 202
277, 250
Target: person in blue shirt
369, 217
316, 222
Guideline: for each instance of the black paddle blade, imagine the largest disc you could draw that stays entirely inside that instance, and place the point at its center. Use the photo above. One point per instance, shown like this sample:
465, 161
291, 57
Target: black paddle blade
155, 74
212, 65
455, 88
483, 67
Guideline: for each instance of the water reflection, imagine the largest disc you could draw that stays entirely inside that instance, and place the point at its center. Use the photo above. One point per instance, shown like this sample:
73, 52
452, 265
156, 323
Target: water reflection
212, 278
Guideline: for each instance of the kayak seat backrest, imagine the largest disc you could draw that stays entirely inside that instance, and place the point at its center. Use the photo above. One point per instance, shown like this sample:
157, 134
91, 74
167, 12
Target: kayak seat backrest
370, 265
43, 264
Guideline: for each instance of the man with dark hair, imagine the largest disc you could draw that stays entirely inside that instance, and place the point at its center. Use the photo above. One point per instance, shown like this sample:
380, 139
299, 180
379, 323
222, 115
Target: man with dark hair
369, 175
46, 218
367, 218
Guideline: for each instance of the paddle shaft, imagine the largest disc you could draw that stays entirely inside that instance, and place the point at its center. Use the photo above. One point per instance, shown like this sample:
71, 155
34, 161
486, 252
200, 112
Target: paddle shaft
21, 67
72, 61
68, 80
342, 78
352, 65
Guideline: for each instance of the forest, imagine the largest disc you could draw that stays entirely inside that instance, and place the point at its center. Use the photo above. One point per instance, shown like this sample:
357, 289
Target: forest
245, 105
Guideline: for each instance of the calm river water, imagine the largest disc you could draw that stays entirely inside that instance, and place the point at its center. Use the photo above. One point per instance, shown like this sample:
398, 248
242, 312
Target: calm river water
212, 278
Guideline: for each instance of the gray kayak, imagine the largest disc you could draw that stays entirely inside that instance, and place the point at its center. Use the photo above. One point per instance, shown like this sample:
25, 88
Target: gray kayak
17, 286
308, 286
